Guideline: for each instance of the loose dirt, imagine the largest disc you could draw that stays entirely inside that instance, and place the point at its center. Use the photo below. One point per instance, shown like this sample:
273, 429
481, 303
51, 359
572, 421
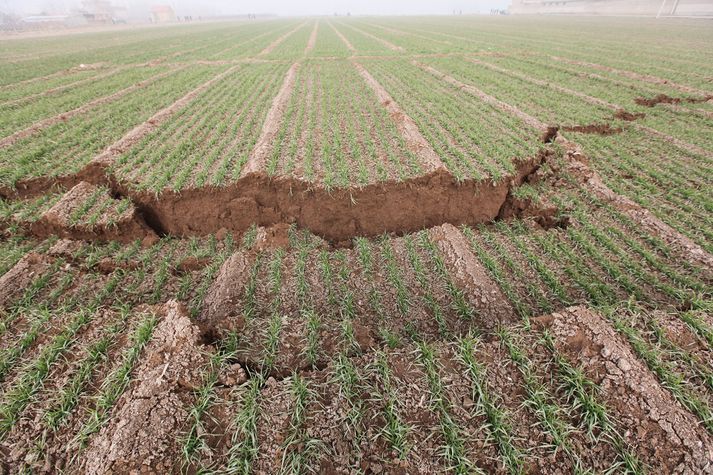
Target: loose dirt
597, 129
665, 99
621, 114
336, 215
221, 302
14, 281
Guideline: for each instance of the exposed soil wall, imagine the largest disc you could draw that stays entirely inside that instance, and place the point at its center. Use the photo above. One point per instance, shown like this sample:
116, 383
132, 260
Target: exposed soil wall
112, 225
337, 215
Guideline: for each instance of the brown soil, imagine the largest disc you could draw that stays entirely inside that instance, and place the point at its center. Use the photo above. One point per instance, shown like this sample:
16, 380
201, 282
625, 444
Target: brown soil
598, 129
664, 99
220, 306
141, 435
111, 226
666, 435
336, 215
406, 126
30, 428
621, 114
190, 264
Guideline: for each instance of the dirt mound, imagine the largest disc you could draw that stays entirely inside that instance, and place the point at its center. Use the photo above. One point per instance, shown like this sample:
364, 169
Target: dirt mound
621, 114
141, 436
666, 435
598, 129
219, 307
89, 212
665, 99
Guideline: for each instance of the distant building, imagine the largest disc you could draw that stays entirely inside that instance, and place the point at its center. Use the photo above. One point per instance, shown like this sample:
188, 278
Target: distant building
97, 11
614, 7
162, 14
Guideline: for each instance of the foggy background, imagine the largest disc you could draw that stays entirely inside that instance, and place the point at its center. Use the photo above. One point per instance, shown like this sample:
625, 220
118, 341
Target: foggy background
141, 8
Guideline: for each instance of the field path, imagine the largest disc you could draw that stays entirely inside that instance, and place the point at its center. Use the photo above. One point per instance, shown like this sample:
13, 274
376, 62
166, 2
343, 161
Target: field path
344, 39
44, 123
633, 75
155, 121
640, 215
667, 432
389, 45
470, 275
312, 39
279, 40
407, 127
266, 142
527, 118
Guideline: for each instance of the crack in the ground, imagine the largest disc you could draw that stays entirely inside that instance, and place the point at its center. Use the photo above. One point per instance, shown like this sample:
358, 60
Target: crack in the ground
666, 99
337, 215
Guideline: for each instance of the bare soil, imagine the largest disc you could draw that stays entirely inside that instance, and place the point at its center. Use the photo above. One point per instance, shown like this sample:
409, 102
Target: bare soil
598, 129
14, 281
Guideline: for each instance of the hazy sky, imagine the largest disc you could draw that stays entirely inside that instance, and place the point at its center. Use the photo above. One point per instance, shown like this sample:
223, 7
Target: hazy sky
280, 7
